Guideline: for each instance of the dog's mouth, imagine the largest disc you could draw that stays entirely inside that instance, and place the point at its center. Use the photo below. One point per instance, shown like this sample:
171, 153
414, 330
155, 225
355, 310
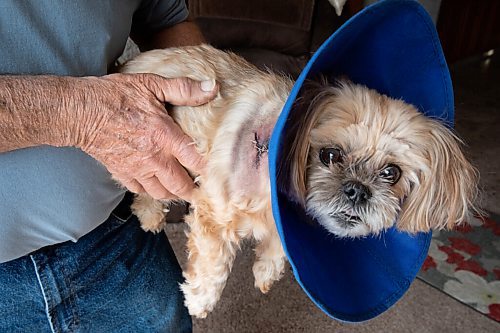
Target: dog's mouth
348, 218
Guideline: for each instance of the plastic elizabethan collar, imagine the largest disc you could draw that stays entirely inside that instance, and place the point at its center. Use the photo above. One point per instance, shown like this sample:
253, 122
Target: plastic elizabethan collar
391, 46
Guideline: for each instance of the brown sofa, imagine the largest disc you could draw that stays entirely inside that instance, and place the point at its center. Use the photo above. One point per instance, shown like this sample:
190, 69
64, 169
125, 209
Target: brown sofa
279, 34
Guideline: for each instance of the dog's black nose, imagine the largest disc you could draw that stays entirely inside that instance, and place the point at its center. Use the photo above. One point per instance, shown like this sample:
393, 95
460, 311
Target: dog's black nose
356, 192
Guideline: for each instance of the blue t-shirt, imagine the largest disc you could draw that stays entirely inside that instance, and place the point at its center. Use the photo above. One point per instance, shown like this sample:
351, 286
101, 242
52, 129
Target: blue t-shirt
50, 195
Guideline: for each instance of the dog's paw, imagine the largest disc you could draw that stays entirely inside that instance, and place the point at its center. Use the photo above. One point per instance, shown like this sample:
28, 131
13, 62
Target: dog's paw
152, 220
153, 224
150, 212
266, 272
264, 286
154, 228
199, 301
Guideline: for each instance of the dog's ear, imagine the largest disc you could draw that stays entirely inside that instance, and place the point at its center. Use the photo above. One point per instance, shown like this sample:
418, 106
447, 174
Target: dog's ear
447, 187
292, 174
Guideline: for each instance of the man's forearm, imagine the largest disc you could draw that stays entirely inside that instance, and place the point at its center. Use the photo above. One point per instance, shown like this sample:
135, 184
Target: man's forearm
34, 111
182, 34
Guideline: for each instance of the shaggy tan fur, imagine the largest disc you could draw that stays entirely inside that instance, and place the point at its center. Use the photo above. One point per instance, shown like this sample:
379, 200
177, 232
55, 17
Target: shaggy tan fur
233, 199
436, 189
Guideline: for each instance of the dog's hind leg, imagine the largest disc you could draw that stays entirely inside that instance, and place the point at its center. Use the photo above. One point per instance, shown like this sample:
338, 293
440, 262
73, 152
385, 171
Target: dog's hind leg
150, 212
211, 252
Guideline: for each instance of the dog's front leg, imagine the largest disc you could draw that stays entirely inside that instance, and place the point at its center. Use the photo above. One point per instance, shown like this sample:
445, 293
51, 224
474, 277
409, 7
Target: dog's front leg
270, 260
211, 252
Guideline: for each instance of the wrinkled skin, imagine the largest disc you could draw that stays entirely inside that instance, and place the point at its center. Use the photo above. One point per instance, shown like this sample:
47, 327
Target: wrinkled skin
138, 141
118, 119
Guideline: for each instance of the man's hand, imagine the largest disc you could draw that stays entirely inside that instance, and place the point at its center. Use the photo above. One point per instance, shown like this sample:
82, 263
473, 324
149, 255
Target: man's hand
118, 119
127, 128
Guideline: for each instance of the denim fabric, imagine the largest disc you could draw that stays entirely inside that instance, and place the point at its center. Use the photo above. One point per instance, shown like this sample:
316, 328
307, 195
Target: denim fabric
117, 278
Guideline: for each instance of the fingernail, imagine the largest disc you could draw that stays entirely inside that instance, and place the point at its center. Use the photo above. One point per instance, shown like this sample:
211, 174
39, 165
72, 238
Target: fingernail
207, 85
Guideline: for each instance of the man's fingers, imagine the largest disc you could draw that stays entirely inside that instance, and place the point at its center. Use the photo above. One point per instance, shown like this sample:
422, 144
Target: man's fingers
181, 146
133, 186
182, 91
187, 155
177, 180
155, 189
129, 183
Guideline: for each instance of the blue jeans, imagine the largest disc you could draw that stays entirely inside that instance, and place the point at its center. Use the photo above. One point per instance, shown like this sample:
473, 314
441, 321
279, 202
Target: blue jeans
117, 278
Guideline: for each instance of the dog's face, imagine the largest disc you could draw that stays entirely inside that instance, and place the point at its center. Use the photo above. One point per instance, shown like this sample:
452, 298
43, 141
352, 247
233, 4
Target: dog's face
372, 162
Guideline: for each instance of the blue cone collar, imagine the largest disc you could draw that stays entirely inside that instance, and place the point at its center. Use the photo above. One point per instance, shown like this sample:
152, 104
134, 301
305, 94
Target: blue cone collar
391, 46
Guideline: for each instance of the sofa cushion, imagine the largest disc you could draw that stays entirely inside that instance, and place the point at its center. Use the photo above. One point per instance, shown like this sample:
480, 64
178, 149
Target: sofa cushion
279, 25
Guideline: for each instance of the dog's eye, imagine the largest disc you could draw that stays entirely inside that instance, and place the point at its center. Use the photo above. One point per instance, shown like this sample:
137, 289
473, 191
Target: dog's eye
330, 156
391, 174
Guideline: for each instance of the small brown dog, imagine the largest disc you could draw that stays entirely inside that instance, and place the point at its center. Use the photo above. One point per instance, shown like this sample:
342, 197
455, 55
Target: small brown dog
357, 161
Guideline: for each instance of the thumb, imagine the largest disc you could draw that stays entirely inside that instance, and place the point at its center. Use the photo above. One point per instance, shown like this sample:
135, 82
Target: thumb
182, 91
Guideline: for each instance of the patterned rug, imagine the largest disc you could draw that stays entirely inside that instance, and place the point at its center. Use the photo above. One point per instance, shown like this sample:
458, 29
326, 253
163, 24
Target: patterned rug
465, 264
